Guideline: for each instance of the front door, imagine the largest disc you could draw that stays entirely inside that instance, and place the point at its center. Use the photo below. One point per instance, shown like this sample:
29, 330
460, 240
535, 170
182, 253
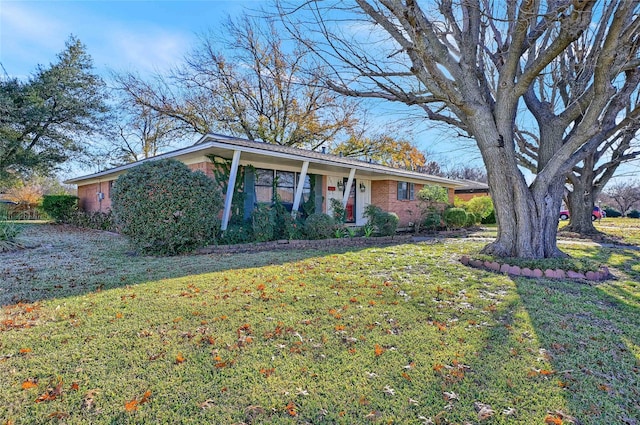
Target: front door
350, 208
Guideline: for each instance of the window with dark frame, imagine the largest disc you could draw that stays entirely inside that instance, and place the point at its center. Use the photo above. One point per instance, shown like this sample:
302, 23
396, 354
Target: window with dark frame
406, 191
286, 185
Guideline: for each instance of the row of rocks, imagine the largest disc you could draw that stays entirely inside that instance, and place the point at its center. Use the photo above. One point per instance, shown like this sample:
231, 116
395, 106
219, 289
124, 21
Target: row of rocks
600, 275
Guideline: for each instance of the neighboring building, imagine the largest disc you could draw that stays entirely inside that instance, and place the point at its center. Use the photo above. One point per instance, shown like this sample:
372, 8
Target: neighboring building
471, 189
296, 172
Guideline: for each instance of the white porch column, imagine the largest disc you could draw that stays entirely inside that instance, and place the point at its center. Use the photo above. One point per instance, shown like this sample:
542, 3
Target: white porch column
347, 189
299, 189
226, 214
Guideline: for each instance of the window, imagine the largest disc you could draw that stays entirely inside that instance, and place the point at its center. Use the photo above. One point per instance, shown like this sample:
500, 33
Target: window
405, 191
286, 184
264, 185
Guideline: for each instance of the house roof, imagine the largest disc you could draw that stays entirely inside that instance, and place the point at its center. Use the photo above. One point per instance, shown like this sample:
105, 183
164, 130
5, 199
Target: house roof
472, 186
284, 157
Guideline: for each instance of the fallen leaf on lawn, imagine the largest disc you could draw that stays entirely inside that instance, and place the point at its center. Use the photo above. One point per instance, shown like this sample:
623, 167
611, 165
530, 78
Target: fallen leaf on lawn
374, 415
89, 399
30, 383
565, 419
180, 358
378, 350
552, 420
291, 409
135, 403
75, 386
207, 404
24, 351
58, 415
251, 412
388, 390
484, 410
51, 394
450, 396
131, 405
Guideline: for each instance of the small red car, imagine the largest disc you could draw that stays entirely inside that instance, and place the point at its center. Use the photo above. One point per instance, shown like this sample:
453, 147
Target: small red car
596, 214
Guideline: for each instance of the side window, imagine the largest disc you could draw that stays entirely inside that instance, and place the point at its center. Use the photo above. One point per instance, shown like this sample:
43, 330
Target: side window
264, 185
406, 191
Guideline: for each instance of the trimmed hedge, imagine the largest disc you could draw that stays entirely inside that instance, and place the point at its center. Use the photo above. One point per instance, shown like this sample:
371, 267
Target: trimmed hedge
59, 207
166, 209
455, 217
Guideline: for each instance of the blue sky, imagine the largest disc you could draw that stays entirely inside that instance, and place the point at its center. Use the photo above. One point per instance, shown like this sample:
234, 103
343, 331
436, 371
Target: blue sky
145, 37
121, 35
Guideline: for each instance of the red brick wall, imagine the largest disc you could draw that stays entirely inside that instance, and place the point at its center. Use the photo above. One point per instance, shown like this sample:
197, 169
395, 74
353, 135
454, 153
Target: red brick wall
88, 195
384, 194
205, 167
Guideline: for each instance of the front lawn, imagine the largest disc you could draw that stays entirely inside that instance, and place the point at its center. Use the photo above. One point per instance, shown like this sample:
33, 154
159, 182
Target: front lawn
90, 333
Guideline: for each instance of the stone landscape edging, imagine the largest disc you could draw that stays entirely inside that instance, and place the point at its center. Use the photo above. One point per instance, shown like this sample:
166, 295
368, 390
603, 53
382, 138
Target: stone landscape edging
494, 266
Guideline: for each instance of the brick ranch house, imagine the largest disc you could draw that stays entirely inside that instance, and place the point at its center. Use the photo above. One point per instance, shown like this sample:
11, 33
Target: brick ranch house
471, 189
293, 172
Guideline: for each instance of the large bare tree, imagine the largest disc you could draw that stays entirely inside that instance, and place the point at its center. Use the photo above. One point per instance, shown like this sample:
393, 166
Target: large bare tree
245, 80
481, 66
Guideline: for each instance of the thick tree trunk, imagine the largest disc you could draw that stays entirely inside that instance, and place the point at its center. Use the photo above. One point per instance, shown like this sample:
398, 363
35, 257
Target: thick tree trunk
581, 200
527, 218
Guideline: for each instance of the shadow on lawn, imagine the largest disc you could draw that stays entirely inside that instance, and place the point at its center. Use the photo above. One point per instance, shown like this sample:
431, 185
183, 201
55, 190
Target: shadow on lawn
65, 261
593, 339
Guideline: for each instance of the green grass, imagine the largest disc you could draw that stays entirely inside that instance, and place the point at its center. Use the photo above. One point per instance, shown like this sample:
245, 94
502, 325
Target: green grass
259, 338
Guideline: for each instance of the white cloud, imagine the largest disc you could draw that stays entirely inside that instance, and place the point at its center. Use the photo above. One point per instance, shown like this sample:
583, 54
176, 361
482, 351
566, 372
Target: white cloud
34, 32
143, 49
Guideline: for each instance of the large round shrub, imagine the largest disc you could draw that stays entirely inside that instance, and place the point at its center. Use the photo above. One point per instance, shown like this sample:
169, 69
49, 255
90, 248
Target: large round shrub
455, 217
165, 208
319, 226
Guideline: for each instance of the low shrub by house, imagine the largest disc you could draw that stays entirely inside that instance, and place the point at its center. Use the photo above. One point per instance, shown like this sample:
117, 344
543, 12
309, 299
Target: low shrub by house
385, 223
455, 218
319, 226
164, 208
472, 219
432, 220
59, 207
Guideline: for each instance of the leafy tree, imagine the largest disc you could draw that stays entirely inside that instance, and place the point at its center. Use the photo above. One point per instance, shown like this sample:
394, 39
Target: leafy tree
383, 149
433, 194
44, 120
245, 80
624, 194
484, 67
